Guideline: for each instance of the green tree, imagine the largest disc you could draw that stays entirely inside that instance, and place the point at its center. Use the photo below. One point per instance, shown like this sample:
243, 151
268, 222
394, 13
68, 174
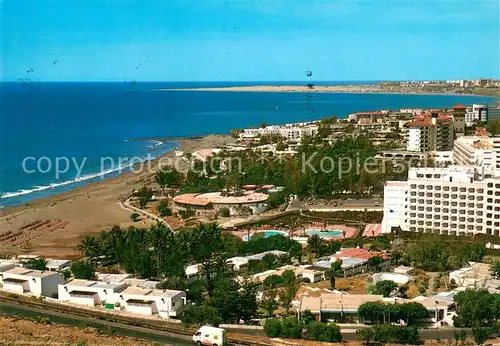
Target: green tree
269, 303
83, 270
89, 247
385, 287
134, 217
224, 212
495, 269
286, 297
314, 243
476, 308
144, 194
272, 328
334, 271
306, 317
365, 334
201, 315
168, 177
324, 332
291, 328
37, 264
164, 209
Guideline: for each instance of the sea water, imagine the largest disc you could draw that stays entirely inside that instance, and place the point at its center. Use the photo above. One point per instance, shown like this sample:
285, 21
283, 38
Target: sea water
87, 122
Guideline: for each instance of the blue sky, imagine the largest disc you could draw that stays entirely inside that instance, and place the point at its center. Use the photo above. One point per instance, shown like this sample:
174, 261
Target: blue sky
117, 40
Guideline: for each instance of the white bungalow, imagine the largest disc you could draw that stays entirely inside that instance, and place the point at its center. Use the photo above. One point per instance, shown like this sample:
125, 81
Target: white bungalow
90, 293
144, 301
56, 265
238, 263
29, 281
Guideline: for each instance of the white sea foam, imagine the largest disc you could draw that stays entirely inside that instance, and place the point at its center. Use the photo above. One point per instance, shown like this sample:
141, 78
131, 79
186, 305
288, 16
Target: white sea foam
63, 183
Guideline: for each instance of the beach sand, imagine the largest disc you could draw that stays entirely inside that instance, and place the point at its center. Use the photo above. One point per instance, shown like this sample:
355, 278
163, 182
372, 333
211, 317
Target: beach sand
88, 209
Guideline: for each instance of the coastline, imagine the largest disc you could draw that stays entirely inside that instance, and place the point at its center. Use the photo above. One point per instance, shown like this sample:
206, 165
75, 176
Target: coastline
91, 208
345, 89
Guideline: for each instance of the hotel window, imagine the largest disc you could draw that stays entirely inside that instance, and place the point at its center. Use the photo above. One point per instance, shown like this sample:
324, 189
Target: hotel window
462, 212
462, 204
446, 188
437, 195
490, 193
428, 209
413, 186
490, 184
489, 200
421, 201
437, 202
480, 198
429, 187
497, 186
454, 196
453, 225
446, 210
463, 189
454, 204
446, 195
454, 189
437, 210
437, 188
421, 194
488, 223
479, 213
445, 224
463, 197
489, 215
420, 186
462, 219
479, 205
445, 217
470, 212
413, 222
471, 190
480, 190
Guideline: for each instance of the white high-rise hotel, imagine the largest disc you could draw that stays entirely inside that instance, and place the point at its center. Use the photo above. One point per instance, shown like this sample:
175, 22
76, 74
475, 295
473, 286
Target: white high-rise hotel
459, 199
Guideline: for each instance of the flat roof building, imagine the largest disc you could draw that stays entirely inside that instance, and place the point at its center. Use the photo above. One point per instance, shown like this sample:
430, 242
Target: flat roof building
29, 281
165, 303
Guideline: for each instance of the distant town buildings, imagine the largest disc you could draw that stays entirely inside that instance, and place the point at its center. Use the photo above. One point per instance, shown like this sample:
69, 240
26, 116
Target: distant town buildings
291, 132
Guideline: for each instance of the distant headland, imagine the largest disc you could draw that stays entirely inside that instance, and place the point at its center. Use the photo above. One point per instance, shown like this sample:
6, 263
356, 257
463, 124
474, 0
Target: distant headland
483, 86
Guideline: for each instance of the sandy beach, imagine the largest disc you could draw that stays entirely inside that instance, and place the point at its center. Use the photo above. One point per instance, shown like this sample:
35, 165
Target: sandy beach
89, 209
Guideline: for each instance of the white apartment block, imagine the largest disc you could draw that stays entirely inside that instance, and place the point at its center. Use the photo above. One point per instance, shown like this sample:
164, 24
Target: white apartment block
292, 132
482, 152
430, 133
455, 200
477, 112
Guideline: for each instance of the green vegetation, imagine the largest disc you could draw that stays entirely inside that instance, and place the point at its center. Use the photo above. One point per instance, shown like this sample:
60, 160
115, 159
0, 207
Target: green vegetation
224, 212
334, 271
159, 254
164, 209
37, 264
83, 270
389, 333
323, 332
381, 313
385, 288
134, 217
144, 195
435, 254
477, 309
495, 269
290, 327
169, 177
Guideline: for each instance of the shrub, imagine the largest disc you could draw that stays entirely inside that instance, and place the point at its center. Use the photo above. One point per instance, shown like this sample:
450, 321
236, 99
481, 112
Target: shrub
224, 212
272, 328
324, 332
134, 217
164, 209
291, 328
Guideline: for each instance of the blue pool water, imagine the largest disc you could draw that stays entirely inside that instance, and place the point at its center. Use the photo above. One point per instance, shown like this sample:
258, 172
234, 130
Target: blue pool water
333, 233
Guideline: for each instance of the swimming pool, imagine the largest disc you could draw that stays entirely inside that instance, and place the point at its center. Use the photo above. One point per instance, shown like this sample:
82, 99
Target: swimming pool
268, 233
318, 231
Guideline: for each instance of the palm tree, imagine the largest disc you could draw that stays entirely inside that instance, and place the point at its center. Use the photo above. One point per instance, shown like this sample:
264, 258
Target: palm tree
495, 269
334, 271
314, 243
221, 267
207, 269
89, 247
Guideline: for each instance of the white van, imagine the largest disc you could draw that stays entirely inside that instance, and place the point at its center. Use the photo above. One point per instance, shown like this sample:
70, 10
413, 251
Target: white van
207, 335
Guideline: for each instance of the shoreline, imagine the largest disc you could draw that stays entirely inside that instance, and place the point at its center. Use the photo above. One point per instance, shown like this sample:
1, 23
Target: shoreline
90, 208
332, 89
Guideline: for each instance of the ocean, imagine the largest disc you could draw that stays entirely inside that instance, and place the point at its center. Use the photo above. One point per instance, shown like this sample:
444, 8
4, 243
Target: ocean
95, 123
